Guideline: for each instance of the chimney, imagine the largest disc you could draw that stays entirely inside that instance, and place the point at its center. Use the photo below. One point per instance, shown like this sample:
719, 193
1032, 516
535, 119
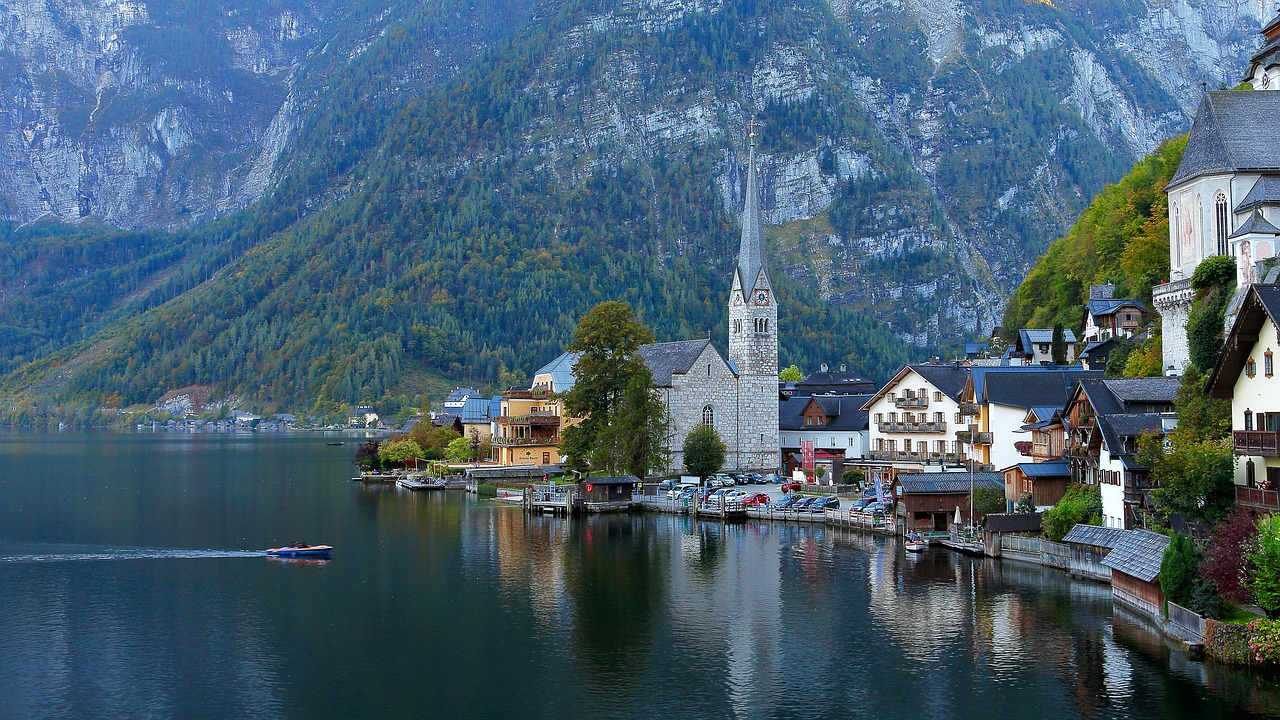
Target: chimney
842, 368
823, 367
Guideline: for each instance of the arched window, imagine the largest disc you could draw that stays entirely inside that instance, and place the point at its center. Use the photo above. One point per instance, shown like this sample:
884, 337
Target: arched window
1220, 221
1177, 236
708, 415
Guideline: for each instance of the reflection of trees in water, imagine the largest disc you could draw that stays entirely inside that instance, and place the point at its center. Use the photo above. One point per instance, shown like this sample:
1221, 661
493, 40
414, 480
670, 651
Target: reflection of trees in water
617, 585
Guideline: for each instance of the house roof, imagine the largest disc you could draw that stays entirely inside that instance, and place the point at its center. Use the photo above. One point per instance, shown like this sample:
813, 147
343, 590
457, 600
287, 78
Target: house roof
561, 371
617, 480
1109, 306
1035, 336
845, 413
1255, 225
476, 410
1027, 386
1115, 428
1148, 389
1260, 302
1046, 469
1102, 347
1138, 553
1094, 535
1012, 522
461, 394
949, 379
1264, 192
667, 359
844, 382
1224, 135
948, 483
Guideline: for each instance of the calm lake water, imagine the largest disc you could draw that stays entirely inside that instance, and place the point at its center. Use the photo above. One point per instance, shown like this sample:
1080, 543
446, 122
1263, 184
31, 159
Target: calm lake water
129, 589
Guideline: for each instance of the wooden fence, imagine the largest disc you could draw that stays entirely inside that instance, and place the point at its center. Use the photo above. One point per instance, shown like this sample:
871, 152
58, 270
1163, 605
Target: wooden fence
1036, 550
1187, 621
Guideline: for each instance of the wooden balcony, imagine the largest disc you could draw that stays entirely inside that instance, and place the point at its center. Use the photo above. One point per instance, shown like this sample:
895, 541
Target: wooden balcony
916, 427
532, 419
983, 438
968, 408
920, 457
552, 440
921, 401
1257, 442
1258, 499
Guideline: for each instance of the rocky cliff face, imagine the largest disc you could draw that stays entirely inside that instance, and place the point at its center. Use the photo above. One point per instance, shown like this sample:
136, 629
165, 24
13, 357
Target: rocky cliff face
917, 154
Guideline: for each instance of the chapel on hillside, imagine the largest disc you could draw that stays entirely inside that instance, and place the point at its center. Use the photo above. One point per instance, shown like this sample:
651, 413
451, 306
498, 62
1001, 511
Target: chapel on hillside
1224, 198
738, 395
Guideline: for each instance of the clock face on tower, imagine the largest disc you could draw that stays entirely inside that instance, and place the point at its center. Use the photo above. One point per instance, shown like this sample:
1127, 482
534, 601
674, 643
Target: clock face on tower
762, 297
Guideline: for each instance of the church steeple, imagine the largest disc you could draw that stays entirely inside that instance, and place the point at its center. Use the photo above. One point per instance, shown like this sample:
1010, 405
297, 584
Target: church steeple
751, 249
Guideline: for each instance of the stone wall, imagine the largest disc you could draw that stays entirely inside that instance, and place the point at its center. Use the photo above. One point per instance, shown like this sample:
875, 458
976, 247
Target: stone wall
1173, 301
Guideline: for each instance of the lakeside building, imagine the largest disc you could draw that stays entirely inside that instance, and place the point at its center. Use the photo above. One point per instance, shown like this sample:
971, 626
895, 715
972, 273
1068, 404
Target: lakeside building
1246, 374
995, 402
1134, 562
1224, 198
931, 501
914, 419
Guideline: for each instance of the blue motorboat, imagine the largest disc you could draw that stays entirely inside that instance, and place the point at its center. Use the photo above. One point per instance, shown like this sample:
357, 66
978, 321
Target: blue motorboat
301, 549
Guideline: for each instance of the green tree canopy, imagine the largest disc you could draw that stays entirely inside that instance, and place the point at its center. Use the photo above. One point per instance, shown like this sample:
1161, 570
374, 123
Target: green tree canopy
397, 450
791, 373
460, 450
622, 422
1081, 504
1264, 556
704, 451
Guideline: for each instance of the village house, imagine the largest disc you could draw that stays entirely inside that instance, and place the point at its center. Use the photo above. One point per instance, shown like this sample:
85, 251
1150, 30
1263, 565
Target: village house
1035, 347
457, 399
914, 419
1135, 571
1095, 354
1106, 317
930, 502
836, 424
1045, 478
1107, 417
1224, 198
478, 414
1089, 545
995, 401
1246, 373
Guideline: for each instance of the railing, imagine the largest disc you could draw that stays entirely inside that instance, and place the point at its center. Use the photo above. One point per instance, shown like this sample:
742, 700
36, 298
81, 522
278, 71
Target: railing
912, 402
541, 419
982, 438
931, 427
1258, 498
498, 441
1257, 442
968, 408
915, 456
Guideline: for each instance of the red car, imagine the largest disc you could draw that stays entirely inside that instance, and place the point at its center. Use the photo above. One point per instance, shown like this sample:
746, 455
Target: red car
791, 486
755, 499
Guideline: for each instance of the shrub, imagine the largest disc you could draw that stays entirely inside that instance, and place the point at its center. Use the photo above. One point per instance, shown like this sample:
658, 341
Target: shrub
486, 490
853, 476
1214, 271
1265, 642
1025, 504
1264, 556
1179, 569
367, 455
1224, 562
1081, 504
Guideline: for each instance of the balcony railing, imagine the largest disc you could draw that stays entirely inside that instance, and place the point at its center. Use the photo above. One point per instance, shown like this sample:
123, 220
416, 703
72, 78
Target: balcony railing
968, 408
920, 457
921, 401
497, 441
538, 419
1257, 498
1257, 442
929, 427
982, 438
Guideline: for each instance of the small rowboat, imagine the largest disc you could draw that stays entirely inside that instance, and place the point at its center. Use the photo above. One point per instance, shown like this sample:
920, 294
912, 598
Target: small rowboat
917, 546
301, 550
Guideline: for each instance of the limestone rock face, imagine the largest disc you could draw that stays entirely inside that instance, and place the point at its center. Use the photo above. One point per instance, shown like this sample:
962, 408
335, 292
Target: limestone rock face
918, 154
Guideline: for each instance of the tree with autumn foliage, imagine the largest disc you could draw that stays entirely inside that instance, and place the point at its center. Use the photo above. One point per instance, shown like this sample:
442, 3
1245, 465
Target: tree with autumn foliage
1224, 563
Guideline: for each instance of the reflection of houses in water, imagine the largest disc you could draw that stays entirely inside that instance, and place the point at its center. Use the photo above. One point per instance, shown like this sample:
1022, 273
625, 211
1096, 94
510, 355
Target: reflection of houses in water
527, 553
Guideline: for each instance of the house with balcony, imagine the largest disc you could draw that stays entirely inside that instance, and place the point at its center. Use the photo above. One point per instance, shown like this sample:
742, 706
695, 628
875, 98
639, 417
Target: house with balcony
1044, 478
1246, 373
1105, 419
1106, 317
527, 428
913, 420
995, 402
836, 424
478, 414
1035, 346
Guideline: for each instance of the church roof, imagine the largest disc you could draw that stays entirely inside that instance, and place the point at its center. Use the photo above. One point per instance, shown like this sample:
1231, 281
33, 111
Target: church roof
1264, 192
666, 359
1225, 137
751, 259
1256, 225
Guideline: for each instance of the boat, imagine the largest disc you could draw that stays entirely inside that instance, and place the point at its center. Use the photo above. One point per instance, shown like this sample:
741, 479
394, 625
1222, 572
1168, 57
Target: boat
335, 444
300, 549
916, 546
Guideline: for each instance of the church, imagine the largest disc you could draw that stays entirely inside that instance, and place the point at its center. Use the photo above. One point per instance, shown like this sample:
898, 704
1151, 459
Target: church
1224, 198
739, 394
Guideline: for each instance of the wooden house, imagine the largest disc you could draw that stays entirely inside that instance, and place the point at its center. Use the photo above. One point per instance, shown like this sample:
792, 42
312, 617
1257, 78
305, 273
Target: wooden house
1089, 545
929, 502
1135, 571
1045, 482
605, 494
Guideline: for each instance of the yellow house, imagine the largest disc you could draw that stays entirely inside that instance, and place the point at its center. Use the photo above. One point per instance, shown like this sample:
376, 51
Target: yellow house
527, 432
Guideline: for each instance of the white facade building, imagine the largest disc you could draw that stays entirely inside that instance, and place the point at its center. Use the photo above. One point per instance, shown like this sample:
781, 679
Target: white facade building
914, 418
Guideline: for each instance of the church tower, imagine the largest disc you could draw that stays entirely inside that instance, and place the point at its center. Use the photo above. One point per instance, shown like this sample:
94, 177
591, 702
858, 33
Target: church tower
753, 337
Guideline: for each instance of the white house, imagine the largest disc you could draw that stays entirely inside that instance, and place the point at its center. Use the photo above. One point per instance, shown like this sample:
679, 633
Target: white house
914, 418
835, 423
998, 398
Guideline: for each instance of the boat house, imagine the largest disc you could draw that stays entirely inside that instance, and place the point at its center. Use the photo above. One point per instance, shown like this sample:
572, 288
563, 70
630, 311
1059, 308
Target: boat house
1135, 571
928, 502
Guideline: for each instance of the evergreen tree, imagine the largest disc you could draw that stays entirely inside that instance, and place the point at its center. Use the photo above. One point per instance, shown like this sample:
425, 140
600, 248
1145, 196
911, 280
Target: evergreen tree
1059, 348
1180, 570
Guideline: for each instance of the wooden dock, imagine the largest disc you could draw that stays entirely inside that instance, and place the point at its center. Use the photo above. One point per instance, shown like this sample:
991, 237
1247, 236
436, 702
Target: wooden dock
377, 478
418, 485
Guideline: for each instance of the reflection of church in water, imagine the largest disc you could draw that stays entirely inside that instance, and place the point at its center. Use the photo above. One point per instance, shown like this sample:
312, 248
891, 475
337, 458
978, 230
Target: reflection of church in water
1224, 198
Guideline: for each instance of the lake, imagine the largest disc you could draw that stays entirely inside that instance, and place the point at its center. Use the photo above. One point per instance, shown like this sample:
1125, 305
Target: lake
131, 586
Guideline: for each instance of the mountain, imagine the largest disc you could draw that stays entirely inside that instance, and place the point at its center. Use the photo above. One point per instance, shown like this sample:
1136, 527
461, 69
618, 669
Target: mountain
425, 218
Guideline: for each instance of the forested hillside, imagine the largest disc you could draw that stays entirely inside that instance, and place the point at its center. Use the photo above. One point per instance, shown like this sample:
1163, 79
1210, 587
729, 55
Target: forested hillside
1122, 238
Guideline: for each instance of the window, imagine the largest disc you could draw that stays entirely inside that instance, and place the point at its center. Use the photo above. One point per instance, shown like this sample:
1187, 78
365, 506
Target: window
937, 417
850, 441
737, 326
1250, 367
1267, 366
893, 417
879, 418
708, 415
1248, 419
937, 396
879, 444
708, 369
941, 447
1220, 226
906, 445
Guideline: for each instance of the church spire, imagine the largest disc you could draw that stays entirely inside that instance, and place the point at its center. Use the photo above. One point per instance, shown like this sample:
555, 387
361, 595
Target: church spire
751, 250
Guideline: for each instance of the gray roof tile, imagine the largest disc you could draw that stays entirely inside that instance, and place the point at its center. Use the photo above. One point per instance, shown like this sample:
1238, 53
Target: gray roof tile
1264, 192
666, 359
1255, 225
1095, 535
949, 483
1224, 135
1138, 553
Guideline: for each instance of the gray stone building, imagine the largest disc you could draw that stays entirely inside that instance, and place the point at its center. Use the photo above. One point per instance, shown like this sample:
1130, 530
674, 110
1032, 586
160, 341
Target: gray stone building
738, 395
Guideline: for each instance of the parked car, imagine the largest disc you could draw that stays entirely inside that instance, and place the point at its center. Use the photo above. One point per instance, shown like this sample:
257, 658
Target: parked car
756, 499
714, 482
666, 485
786, 502
802, 504
824, 504
756, 478
861, 503
727, 480
791, 486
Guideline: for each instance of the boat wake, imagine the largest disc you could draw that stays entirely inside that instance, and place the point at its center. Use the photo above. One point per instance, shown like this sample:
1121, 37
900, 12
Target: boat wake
125, 554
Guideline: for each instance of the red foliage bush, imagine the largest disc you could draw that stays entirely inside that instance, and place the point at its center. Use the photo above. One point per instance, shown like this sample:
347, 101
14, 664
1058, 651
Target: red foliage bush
1224, 560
